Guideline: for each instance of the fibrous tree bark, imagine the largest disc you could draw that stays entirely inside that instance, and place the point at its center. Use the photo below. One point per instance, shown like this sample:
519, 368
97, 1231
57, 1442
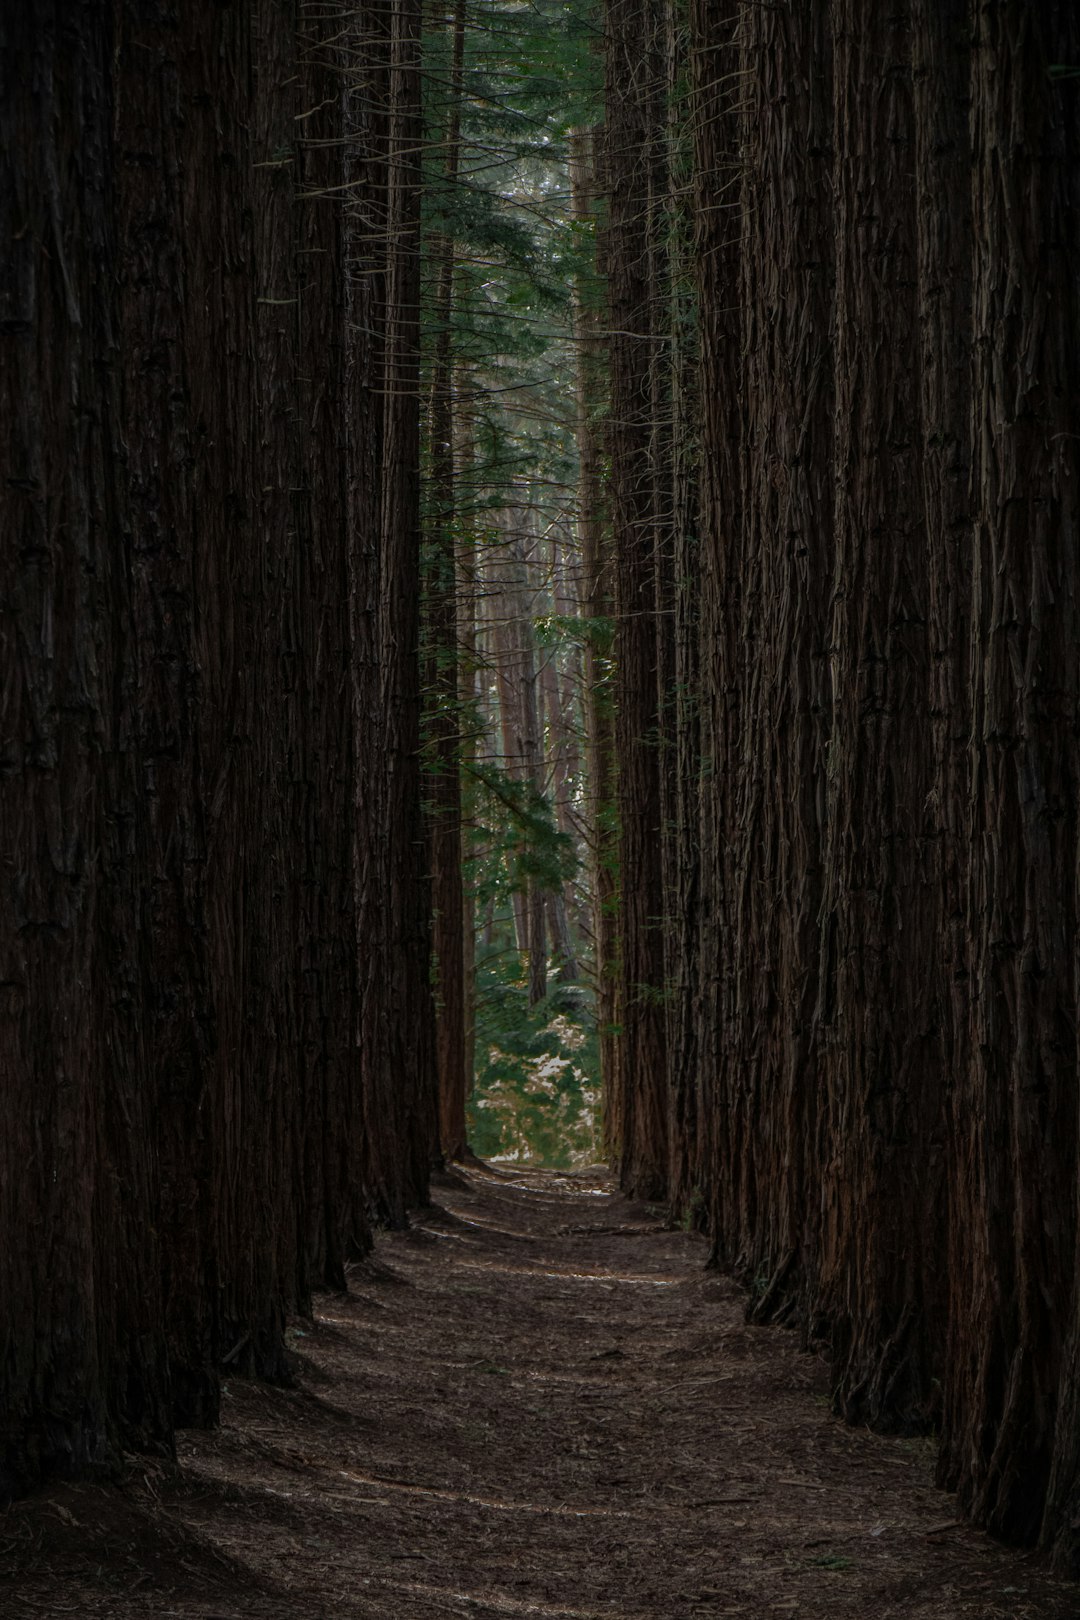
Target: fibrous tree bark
442, 697
700, 1115
395, 1028
323, 768
83, 1361
774, 509
886, 1018
879, 998
680, 491
211, 470
1020, 1157
635, 188
941, 61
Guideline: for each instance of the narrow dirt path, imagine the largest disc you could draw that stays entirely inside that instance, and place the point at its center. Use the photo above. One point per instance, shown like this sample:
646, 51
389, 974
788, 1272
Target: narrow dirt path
535, 1403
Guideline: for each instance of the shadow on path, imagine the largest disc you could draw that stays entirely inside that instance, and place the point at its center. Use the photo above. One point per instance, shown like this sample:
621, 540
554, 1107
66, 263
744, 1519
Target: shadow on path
535, 1403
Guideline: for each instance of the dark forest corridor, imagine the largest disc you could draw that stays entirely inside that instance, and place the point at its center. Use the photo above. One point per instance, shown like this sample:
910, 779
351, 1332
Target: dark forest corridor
539, 619
535, 1402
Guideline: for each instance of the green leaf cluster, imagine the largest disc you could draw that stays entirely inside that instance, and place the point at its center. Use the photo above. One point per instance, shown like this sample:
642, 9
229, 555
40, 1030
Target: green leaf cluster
537, 1097
514, 836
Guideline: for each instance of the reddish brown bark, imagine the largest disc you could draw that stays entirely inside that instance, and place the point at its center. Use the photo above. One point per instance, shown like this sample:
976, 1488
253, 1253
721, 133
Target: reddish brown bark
1020, 1125
887, 1018
683, 840
84, 1357
442, 698
201, 1106
633, 179
701, 1116
774, 512
326, 959
395, 1027
880, 996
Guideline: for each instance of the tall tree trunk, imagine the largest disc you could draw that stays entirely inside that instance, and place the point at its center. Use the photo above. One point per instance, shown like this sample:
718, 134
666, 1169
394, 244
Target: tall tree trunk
942, 60
634, 133
326, 965
506, 655
597, 608
681, 491
556, 747
395, 1037
180, 948
180, 988
532, 733
443, 720
468, 570
84, 1360
717, 72
1025, 774
882, 1206
517, 681
770, 765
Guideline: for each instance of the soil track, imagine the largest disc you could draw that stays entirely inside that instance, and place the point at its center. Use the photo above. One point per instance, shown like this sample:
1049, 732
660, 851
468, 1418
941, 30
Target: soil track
536, 1403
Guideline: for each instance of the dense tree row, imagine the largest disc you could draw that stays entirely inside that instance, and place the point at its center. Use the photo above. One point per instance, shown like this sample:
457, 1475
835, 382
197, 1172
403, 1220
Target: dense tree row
216, 1039
308, 716
878, 1116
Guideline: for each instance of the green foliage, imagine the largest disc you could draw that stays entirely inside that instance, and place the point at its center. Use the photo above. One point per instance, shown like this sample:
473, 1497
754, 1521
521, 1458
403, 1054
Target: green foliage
530, 73
563, 630
537, 1096
513, 837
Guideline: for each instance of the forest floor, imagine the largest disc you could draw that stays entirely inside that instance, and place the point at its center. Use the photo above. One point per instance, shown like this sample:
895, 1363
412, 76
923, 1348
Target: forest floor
535, 1403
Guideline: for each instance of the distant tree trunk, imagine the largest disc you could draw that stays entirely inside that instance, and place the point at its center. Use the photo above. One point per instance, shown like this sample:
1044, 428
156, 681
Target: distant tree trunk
683, 769
504, 656
517, 677
597, 607
537, 944
531, 699
568, 671
556, 746
634, 132
468, 695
